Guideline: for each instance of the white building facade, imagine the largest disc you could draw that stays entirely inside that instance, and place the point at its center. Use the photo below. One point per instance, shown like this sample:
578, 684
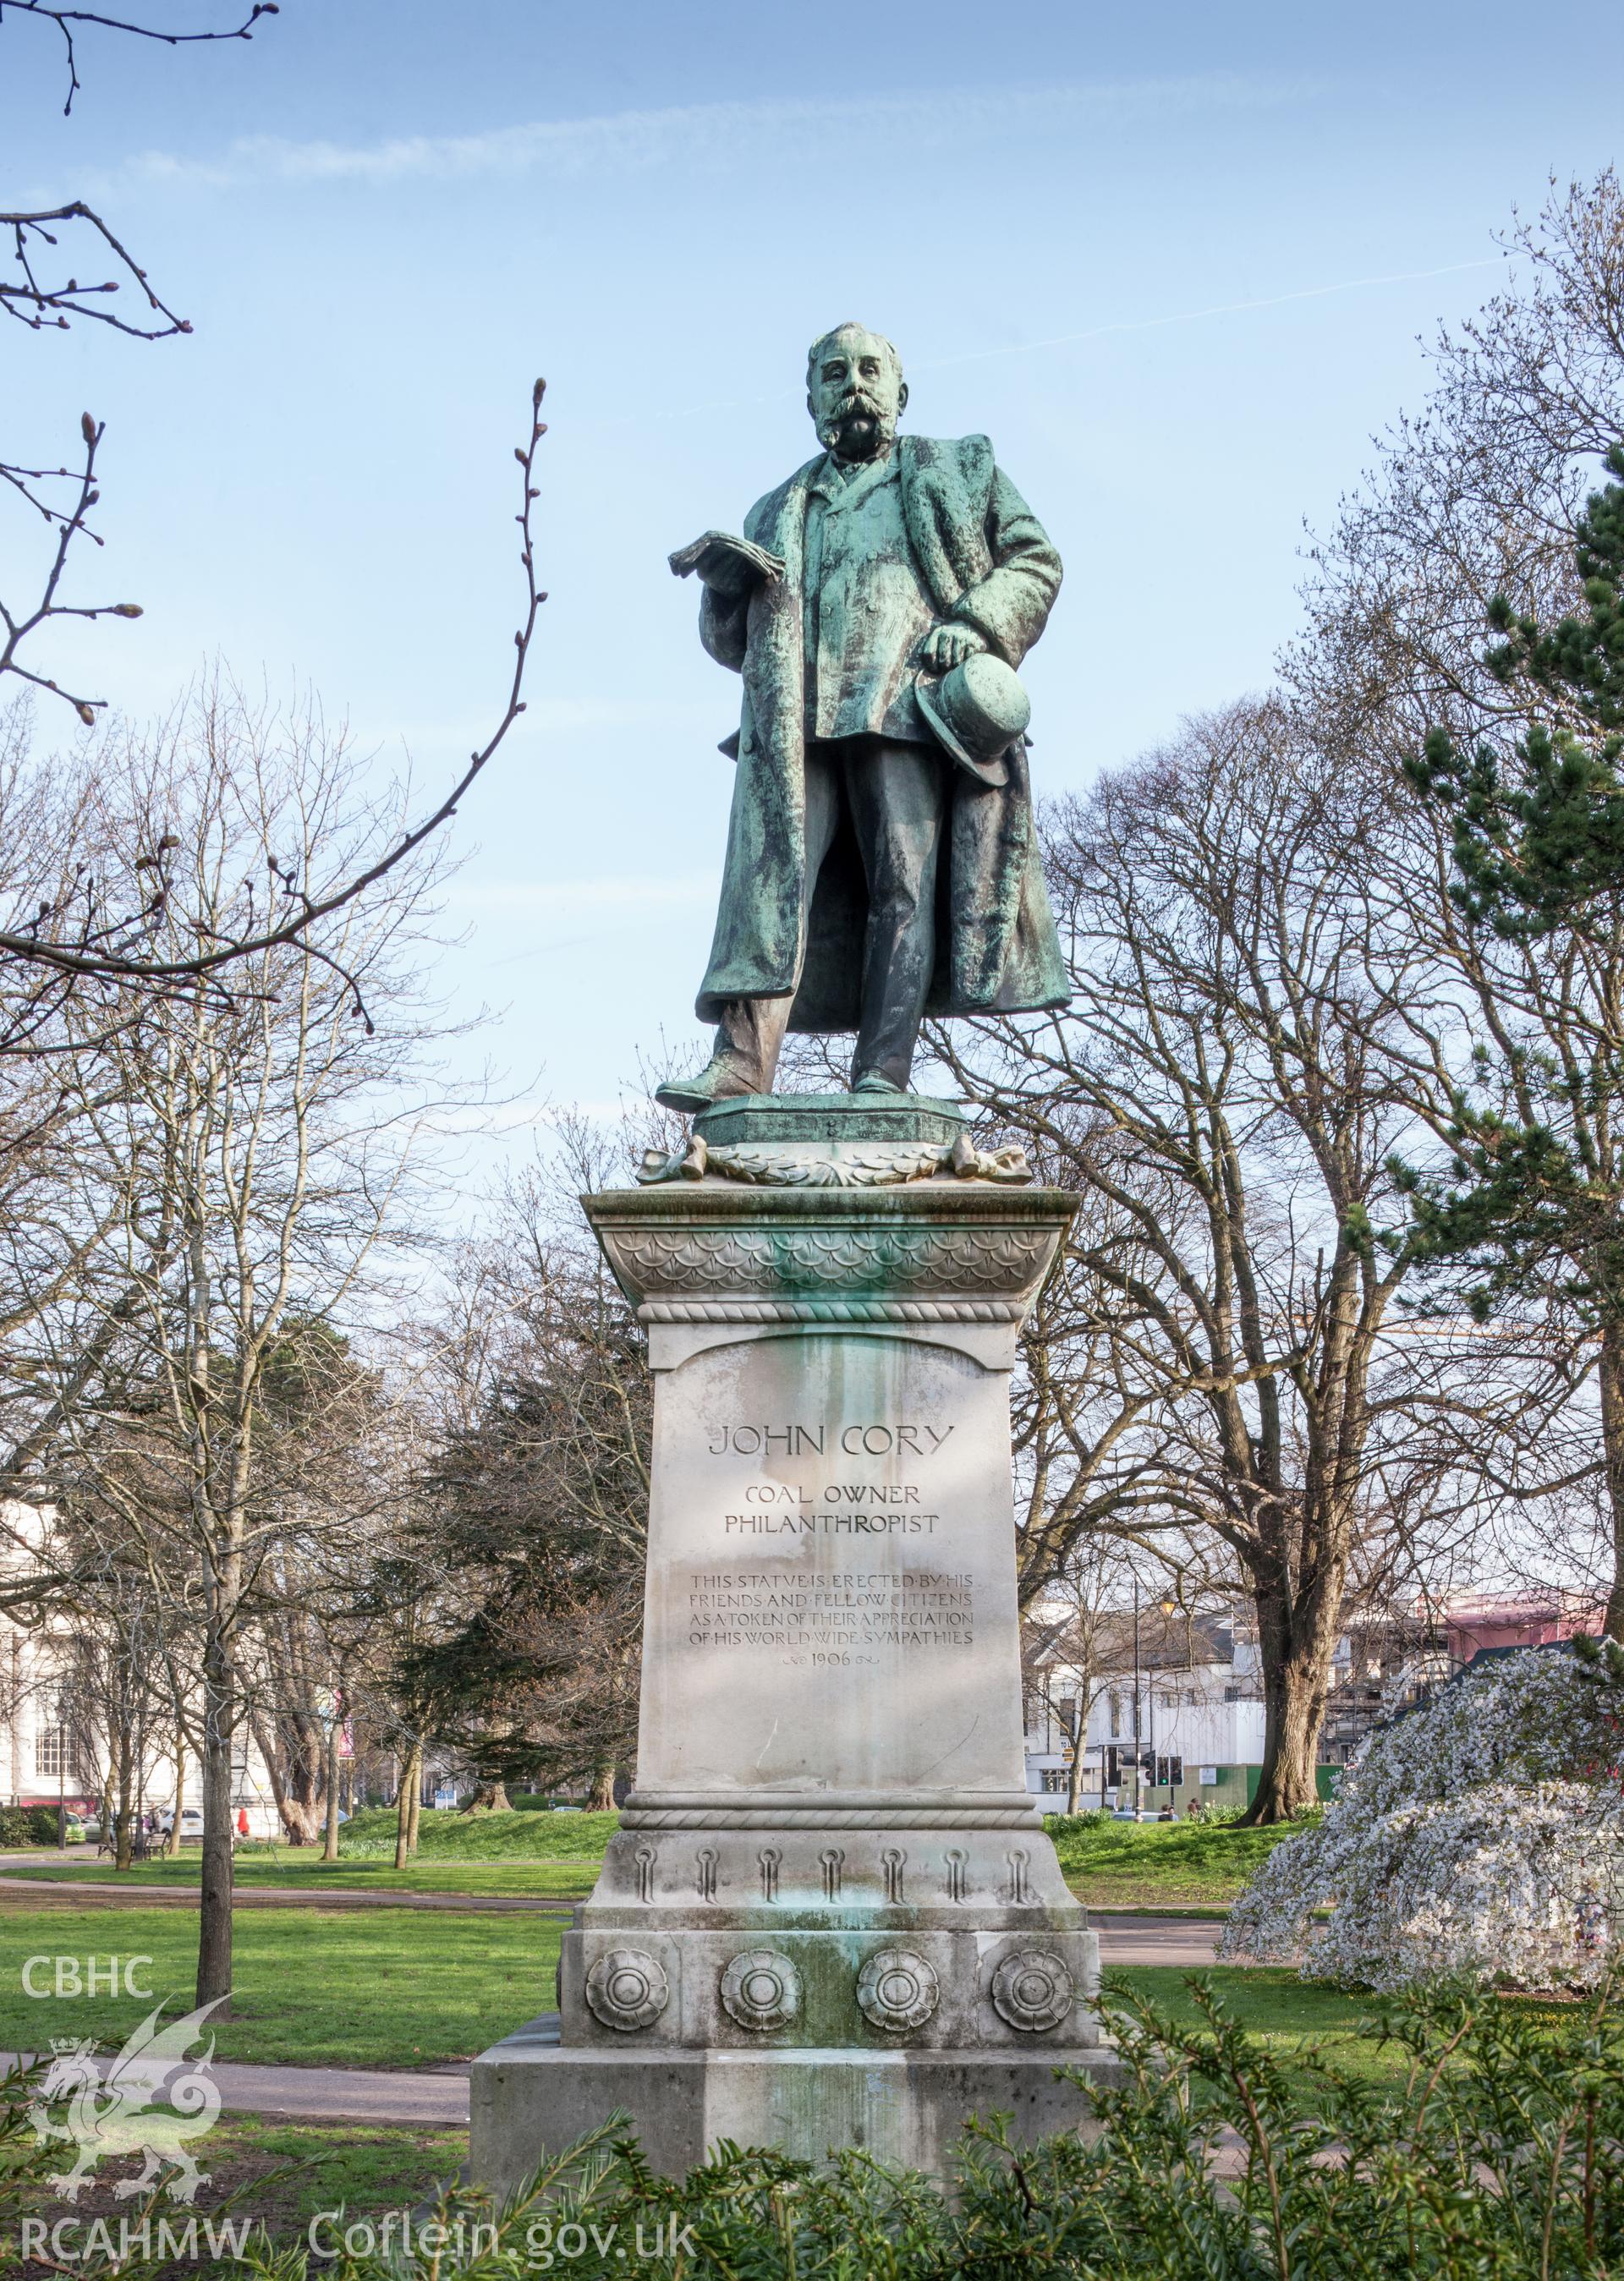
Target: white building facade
1184, 1729
55, 1746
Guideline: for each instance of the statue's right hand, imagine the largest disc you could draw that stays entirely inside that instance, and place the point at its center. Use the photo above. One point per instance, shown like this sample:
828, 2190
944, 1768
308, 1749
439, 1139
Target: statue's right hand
729, 566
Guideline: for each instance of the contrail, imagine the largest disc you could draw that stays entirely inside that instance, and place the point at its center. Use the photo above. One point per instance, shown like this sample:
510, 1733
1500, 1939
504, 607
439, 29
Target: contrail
1217, 309
1092, 333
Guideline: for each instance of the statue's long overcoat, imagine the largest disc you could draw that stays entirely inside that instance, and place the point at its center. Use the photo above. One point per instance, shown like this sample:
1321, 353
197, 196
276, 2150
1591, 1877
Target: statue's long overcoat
987, 561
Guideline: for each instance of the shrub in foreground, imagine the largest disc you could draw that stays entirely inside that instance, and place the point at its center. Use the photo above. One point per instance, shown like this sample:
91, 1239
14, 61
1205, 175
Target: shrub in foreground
1494, 2158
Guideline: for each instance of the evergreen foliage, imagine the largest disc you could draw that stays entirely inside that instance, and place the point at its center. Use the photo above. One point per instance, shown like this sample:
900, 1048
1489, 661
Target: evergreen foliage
1531, 1205
535, 1530
1493, 2156
1539, 845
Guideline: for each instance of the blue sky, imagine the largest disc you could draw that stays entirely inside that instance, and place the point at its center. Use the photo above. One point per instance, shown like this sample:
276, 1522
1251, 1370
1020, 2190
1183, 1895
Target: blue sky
1173, 259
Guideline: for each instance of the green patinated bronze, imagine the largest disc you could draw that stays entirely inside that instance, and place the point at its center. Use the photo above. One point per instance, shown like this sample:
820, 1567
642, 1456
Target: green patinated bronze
881, 861
830, 1117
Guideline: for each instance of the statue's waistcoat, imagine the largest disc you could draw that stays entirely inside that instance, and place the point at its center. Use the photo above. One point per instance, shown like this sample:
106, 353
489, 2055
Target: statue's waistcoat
867, 607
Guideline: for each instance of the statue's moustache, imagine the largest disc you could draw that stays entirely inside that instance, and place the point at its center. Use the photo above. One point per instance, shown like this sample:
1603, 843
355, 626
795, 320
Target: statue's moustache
850, 409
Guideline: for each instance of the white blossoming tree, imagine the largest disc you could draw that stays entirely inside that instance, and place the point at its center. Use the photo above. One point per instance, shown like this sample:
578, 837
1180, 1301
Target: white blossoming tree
1482, 1837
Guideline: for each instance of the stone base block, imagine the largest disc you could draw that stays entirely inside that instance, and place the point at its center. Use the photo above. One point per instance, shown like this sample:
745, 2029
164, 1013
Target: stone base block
529, 2099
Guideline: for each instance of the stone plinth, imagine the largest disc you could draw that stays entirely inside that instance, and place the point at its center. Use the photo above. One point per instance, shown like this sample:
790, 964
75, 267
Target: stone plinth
830, 1915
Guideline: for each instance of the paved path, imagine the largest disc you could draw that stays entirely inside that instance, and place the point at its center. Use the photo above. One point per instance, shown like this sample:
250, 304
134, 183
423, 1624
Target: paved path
1187, 1941
72, 1892
436, 2097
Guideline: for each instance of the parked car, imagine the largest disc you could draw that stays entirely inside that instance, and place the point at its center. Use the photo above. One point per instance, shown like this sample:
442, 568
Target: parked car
191, 1821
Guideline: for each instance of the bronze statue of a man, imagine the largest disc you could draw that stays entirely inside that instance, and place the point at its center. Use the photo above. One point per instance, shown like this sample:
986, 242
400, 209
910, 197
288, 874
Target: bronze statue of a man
881, 860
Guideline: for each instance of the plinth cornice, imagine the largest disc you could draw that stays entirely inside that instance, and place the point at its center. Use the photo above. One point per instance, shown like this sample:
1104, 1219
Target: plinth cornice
938, 1250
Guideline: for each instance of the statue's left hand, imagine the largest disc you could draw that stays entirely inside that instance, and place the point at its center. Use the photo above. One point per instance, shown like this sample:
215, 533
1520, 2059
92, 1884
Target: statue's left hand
945, 646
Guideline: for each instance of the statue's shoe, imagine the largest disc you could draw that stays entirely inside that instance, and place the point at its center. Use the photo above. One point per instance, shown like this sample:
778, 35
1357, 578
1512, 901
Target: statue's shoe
720, 1080
871, 1081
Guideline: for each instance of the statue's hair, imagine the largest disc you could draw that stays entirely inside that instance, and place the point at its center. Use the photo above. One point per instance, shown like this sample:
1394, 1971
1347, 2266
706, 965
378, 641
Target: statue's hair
852, 325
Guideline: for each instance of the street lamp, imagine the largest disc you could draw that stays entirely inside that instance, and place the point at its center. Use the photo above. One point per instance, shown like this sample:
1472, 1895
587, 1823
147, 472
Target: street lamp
1169, 1607
61, 1717
1139, 1764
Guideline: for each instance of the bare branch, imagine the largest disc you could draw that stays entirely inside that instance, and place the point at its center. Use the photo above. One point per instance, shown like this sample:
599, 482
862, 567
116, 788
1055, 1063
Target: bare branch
104, 956
26, 295
65, 18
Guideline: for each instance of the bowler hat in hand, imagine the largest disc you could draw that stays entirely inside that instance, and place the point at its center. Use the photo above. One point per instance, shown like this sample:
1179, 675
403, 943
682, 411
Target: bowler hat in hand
977, 711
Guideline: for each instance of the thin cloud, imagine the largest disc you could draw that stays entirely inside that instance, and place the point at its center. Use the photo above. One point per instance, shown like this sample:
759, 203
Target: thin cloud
652, 416
1214, 309
719, 137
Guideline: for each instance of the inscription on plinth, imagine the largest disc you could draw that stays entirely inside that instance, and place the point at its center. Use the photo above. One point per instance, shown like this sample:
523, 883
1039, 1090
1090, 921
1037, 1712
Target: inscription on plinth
824, 1605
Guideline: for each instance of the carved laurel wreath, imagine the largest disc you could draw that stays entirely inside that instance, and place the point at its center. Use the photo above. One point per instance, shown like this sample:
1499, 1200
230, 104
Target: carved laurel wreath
871, 1168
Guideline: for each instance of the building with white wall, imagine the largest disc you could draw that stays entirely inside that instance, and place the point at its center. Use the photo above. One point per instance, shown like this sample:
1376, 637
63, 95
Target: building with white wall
56, 1748
1183, 1726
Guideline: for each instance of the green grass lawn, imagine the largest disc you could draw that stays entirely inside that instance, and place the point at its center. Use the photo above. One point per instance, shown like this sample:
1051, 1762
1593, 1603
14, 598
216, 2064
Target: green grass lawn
444, 1836
280, 2176
302, 1868
1292, 2016
391, 1987
1157, 1865
1287, 2014
374, 1988
1118, 1865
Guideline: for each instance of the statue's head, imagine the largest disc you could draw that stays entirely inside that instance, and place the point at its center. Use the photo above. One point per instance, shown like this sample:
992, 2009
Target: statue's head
855, 391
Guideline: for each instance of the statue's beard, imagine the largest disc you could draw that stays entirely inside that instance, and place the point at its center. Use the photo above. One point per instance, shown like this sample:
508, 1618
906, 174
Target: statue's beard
859, 429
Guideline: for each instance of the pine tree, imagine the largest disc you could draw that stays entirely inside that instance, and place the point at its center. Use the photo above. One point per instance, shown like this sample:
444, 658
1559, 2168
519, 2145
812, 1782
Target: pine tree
1532, 1209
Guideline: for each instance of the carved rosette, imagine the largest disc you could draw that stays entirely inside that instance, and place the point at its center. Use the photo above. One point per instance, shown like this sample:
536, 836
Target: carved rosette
897, 1989
1033, 1990
761, 1990
627, 1989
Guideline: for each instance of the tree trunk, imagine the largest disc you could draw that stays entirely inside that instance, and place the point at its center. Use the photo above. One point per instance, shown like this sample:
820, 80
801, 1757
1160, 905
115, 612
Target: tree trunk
416, 1803
329, 1848
294, 1749
214, 1908
602, 1799
1294, 1649
1610, 1371
403, 1806
172, 1842
270, 1752
1074, 1773
124, 1851
492, 1798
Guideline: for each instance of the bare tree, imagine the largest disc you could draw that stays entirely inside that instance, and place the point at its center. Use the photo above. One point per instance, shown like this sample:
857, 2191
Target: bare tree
1471, 503
257, 1138
1072, 1648
41, 288
1217, 1353
1476, 495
